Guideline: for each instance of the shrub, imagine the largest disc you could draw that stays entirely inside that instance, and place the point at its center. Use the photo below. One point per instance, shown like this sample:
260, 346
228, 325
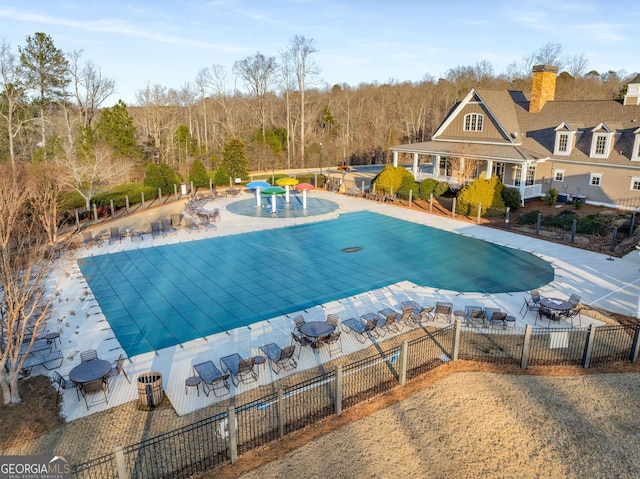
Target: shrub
511, 198
162, 176
486, 192
593, 225
563, 220
441, 188
119, 195
551, 197
390, 179
426, 188
529, 218
409, 185
198, 174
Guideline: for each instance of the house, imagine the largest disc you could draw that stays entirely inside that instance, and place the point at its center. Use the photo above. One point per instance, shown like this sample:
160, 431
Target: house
584, 149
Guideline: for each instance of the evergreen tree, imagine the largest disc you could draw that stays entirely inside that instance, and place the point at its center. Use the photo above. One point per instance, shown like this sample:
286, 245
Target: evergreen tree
234, 159
115, 128
198, 174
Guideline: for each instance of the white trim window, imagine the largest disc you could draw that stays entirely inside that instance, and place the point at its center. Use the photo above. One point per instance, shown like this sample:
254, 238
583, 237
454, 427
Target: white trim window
558, 175
595, 179
635, 183
473, 122
601, 141
635, 155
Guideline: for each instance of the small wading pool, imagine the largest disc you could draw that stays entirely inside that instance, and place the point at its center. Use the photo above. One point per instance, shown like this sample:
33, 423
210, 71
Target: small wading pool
158, 297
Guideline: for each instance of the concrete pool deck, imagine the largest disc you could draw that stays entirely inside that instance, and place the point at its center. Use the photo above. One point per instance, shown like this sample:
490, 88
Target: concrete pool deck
611, 285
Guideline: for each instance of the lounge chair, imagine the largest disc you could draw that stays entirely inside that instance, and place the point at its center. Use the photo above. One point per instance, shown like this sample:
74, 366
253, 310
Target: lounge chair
176, 221
114, 235
191, 225
497, 317
156, 229
50, 360
406, 318
212, 378
118, 368
301, 340
443, 311
423, 314
362, 329
473, 314
387, 322
167, 229
280, 358
241, 370
89, 241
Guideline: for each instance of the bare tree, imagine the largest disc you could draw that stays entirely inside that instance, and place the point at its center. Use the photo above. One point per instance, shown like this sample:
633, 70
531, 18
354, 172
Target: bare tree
22, 278
48, 186
286, 70
464, 168
258, 73
301, 50
90, 88
13, 96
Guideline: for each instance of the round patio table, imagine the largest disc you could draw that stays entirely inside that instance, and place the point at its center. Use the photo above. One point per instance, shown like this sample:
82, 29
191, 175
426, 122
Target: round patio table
555, 304
317, 329
88, 371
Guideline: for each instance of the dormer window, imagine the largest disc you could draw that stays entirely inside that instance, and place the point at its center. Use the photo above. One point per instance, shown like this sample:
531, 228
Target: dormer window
635, 154
473, 122
602, 141
564, 140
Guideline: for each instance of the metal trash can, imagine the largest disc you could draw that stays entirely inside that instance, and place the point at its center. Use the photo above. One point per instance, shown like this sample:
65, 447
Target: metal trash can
150, 392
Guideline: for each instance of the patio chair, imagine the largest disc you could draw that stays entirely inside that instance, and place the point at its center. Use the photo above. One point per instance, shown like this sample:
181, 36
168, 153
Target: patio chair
299, 321
387, 323
443, 311
406, 317
176, 221
362, 329
535, 296
546, 312
572, 313
212, 378
61, 383
333, 319
93, 387
574, 299
118, 368
89, 240
156, 229
301, 340
114, 235
88, 355
497, 317
280, 358
241, 370
167, 229
474, 314
528, 305
334, 343
425, 314
191, 225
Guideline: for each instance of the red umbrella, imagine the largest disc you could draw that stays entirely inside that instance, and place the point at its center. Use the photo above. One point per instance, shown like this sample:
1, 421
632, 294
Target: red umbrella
304, 187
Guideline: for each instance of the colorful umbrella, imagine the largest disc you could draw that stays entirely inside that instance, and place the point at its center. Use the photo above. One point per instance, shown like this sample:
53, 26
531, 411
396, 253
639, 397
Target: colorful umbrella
258, 185
273, 191
287, 182
304, 187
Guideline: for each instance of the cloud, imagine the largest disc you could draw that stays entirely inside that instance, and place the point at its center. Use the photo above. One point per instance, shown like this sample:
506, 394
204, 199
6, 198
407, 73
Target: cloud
111, 26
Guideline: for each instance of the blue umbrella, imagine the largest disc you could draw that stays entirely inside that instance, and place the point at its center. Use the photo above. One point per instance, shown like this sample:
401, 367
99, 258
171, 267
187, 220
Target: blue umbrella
258, 185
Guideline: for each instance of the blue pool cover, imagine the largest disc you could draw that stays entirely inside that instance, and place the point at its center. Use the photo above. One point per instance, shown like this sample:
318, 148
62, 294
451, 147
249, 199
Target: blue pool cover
158, 297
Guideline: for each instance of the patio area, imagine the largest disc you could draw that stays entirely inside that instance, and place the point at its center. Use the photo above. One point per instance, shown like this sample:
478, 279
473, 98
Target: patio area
610, 285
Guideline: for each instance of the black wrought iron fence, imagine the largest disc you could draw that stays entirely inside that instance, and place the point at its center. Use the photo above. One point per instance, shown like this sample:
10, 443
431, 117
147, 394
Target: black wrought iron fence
212, 442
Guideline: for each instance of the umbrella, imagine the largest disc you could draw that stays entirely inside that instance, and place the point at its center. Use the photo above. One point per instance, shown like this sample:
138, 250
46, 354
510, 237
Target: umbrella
258, 185
273, 191
287, 182
304, 187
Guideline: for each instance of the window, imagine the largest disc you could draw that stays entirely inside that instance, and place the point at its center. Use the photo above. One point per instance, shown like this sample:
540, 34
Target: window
473, 122
445, 166
635, 183
565, 137
563, 142
635, 155
558, 175
601, 143
595, 179
530, 175
498, 170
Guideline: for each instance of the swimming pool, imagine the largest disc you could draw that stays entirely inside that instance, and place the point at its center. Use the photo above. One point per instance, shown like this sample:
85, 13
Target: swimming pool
158, 297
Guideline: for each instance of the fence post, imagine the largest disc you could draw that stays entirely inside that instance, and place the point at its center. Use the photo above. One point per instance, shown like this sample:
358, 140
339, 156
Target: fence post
479, 210
506, 217
404, 356
614, 237
280, 413
453, 208
635, 346
456, 340
526, 346
538, 222
574, 227
126, 202
430, 202
410, 197
120, 463
159, 196
586, 359
338, 392
95, 212
142, 199
77, 218
632, 223
175, 191
113, 211
233, 432
211, 185
192, 188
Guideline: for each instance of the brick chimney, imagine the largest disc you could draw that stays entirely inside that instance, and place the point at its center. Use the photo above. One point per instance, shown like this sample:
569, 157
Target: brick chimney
544, 86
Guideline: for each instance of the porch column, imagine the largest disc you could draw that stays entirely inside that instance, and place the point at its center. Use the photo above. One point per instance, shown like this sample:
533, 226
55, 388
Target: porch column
436, 166
523, 180
487, 174
395, 158
415, 165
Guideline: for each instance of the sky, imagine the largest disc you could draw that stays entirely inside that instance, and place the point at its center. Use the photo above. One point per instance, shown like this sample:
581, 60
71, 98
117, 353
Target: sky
162, 42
